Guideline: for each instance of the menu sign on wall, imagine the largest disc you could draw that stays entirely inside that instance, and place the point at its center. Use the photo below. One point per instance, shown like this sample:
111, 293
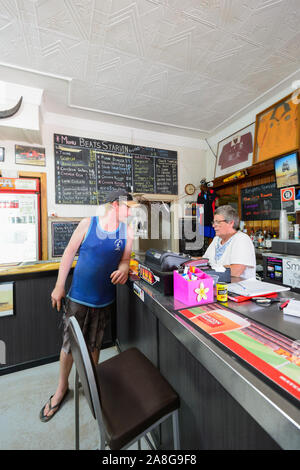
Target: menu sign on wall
86, 170
112, 171
61, 233
143, 174
260, 202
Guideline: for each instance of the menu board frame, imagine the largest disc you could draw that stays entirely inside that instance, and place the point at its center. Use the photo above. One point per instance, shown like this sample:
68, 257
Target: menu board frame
260, 202
51, 222
80, 164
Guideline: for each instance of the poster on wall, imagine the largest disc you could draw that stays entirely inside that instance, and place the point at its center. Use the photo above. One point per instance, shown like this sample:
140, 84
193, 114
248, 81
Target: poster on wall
288, 199
287, 170
26, 155
2, 153
6, 299
235, 152
277, 130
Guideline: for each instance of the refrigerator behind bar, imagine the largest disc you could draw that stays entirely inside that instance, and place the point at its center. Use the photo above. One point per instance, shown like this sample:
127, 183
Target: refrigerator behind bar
19, 220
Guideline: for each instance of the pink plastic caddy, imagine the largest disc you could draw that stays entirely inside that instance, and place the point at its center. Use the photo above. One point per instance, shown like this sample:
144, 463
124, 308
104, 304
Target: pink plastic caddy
196, 292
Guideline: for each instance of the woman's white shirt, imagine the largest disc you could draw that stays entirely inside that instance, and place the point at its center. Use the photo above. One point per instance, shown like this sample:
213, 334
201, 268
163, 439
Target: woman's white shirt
240, 250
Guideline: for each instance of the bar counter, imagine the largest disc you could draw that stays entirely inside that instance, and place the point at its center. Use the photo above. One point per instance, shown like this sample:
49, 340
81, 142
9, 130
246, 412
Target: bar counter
33, 334
29, 268
224, 403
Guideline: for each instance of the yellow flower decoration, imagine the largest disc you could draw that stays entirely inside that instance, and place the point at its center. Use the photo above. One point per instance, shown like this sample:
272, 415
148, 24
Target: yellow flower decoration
201, 292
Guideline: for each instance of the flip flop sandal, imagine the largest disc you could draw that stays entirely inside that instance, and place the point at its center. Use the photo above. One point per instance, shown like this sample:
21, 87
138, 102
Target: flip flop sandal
44, 418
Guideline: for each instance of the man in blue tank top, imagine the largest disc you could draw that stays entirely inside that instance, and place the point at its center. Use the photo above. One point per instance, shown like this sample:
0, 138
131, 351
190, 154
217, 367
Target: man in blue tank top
105, 244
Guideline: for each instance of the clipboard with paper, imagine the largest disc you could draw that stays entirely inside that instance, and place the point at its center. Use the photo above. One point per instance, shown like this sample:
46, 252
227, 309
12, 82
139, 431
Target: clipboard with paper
252, 287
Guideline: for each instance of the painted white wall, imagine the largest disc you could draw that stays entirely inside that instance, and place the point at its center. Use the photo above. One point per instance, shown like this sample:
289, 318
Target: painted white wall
195, 158
192, 154
28, 118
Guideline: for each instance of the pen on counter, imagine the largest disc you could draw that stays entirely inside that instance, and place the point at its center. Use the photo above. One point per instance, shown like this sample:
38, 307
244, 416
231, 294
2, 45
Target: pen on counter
241, 285
282, 306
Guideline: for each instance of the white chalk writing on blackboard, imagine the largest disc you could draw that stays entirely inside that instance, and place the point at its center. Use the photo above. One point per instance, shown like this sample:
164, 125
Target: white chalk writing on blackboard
90, 168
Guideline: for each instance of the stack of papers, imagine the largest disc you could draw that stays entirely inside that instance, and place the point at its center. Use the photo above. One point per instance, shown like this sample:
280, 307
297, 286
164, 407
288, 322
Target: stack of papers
293, 308
252, 287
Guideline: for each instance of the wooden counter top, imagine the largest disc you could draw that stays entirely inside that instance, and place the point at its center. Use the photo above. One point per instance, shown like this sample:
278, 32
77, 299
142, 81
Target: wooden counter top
6, 270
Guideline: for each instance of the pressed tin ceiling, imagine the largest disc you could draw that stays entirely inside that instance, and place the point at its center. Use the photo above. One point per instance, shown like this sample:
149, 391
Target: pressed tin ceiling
185, 63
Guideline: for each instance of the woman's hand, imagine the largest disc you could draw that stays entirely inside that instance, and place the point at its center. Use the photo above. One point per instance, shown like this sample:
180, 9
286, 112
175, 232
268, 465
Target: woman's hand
58, 293
119, 276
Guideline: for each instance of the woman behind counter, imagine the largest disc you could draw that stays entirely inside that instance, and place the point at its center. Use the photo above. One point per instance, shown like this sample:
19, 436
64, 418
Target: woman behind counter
230, 247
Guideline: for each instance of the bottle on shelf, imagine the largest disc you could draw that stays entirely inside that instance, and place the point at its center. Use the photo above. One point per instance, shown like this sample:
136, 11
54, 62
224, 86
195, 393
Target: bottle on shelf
260, 238
263, 243
255, 240
268, 240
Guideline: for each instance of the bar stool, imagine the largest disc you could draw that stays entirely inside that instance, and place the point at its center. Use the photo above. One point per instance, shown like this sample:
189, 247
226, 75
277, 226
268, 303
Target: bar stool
126, 394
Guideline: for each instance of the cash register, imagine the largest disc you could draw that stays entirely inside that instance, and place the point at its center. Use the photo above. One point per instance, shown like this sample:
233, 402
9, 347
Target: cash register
157, 269
282, 264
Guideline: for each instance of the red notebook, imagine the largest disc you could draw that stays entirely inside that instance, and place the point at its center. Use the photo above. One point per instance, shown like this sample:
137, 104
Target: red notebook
242, 298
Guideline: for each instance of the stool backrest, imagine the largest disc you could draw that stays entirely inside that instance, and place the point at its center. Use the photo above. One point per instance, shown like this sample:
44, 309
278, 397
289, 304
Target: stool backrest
84, 366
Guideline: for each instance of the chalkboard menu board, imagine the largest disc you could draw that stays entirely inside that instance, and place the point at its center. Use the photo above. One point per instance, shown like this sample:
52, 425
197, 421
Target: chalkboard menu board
61, 232
261, 202
143, 174
86, 170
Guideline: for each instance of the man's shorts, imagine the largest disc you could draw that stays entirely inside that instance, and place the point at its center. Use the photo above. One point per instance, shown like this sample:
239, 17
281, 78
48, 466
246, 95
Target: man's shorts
92, 322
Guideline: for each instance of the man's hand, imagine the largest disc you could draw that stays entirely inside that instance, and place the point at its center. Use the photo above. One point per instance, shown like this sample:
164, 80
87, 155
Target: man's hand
119, 276
57, 294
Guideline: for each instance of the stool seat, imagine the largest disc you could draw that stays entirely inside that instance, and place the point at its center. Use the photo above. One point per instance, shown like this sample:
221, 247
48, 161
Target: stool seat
127, 395
133, 394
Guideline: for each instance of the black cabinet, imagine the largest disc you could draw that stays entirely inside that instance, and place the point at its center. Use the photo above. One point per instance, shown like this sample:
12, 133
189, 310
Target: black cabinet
136, 325
209, 417
33, 335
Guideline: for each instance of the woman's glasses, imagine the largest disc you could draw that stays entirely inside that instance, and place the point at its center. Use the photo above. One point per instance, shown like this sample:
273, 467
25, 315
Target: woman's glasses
218, 222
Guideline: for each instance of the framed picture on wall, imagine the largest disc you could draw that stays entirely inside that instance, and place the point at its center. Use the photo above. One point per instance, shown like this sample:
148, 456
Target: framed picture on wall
235, 152
27, 155
287, 170
6, 299
277, 129
2, 154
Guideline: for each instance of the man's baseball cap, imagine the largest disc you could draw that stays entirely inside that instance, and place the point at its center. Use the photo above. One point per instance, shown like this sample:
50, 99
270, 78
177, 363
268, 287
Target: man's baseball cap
121, 195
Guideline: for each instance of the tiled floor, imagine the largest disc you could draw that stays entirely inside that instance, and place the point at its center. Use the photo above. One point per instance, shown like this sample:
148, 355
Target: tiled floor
24, 393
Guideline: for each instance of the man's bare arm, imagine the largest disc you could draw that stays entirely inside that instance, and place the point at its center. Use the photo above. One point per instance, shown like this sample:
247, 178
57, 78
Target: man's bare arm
66, 262
120, 276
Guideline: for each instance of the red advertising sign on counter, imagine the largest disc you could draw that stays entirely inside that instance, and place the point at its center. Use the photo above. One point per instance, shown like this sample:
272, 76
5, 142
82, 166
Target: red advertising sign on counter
274, 355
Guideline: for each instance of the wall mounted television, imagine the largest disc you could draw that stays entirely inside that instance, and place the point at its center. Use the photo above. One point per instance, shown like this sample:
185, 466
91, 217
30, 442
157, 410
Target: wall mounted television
287, 170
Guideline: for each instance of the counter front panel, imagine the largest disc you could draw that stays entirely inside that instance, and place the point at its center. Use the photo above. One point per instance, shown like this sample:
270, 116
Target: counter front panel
240, 355
266, 351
